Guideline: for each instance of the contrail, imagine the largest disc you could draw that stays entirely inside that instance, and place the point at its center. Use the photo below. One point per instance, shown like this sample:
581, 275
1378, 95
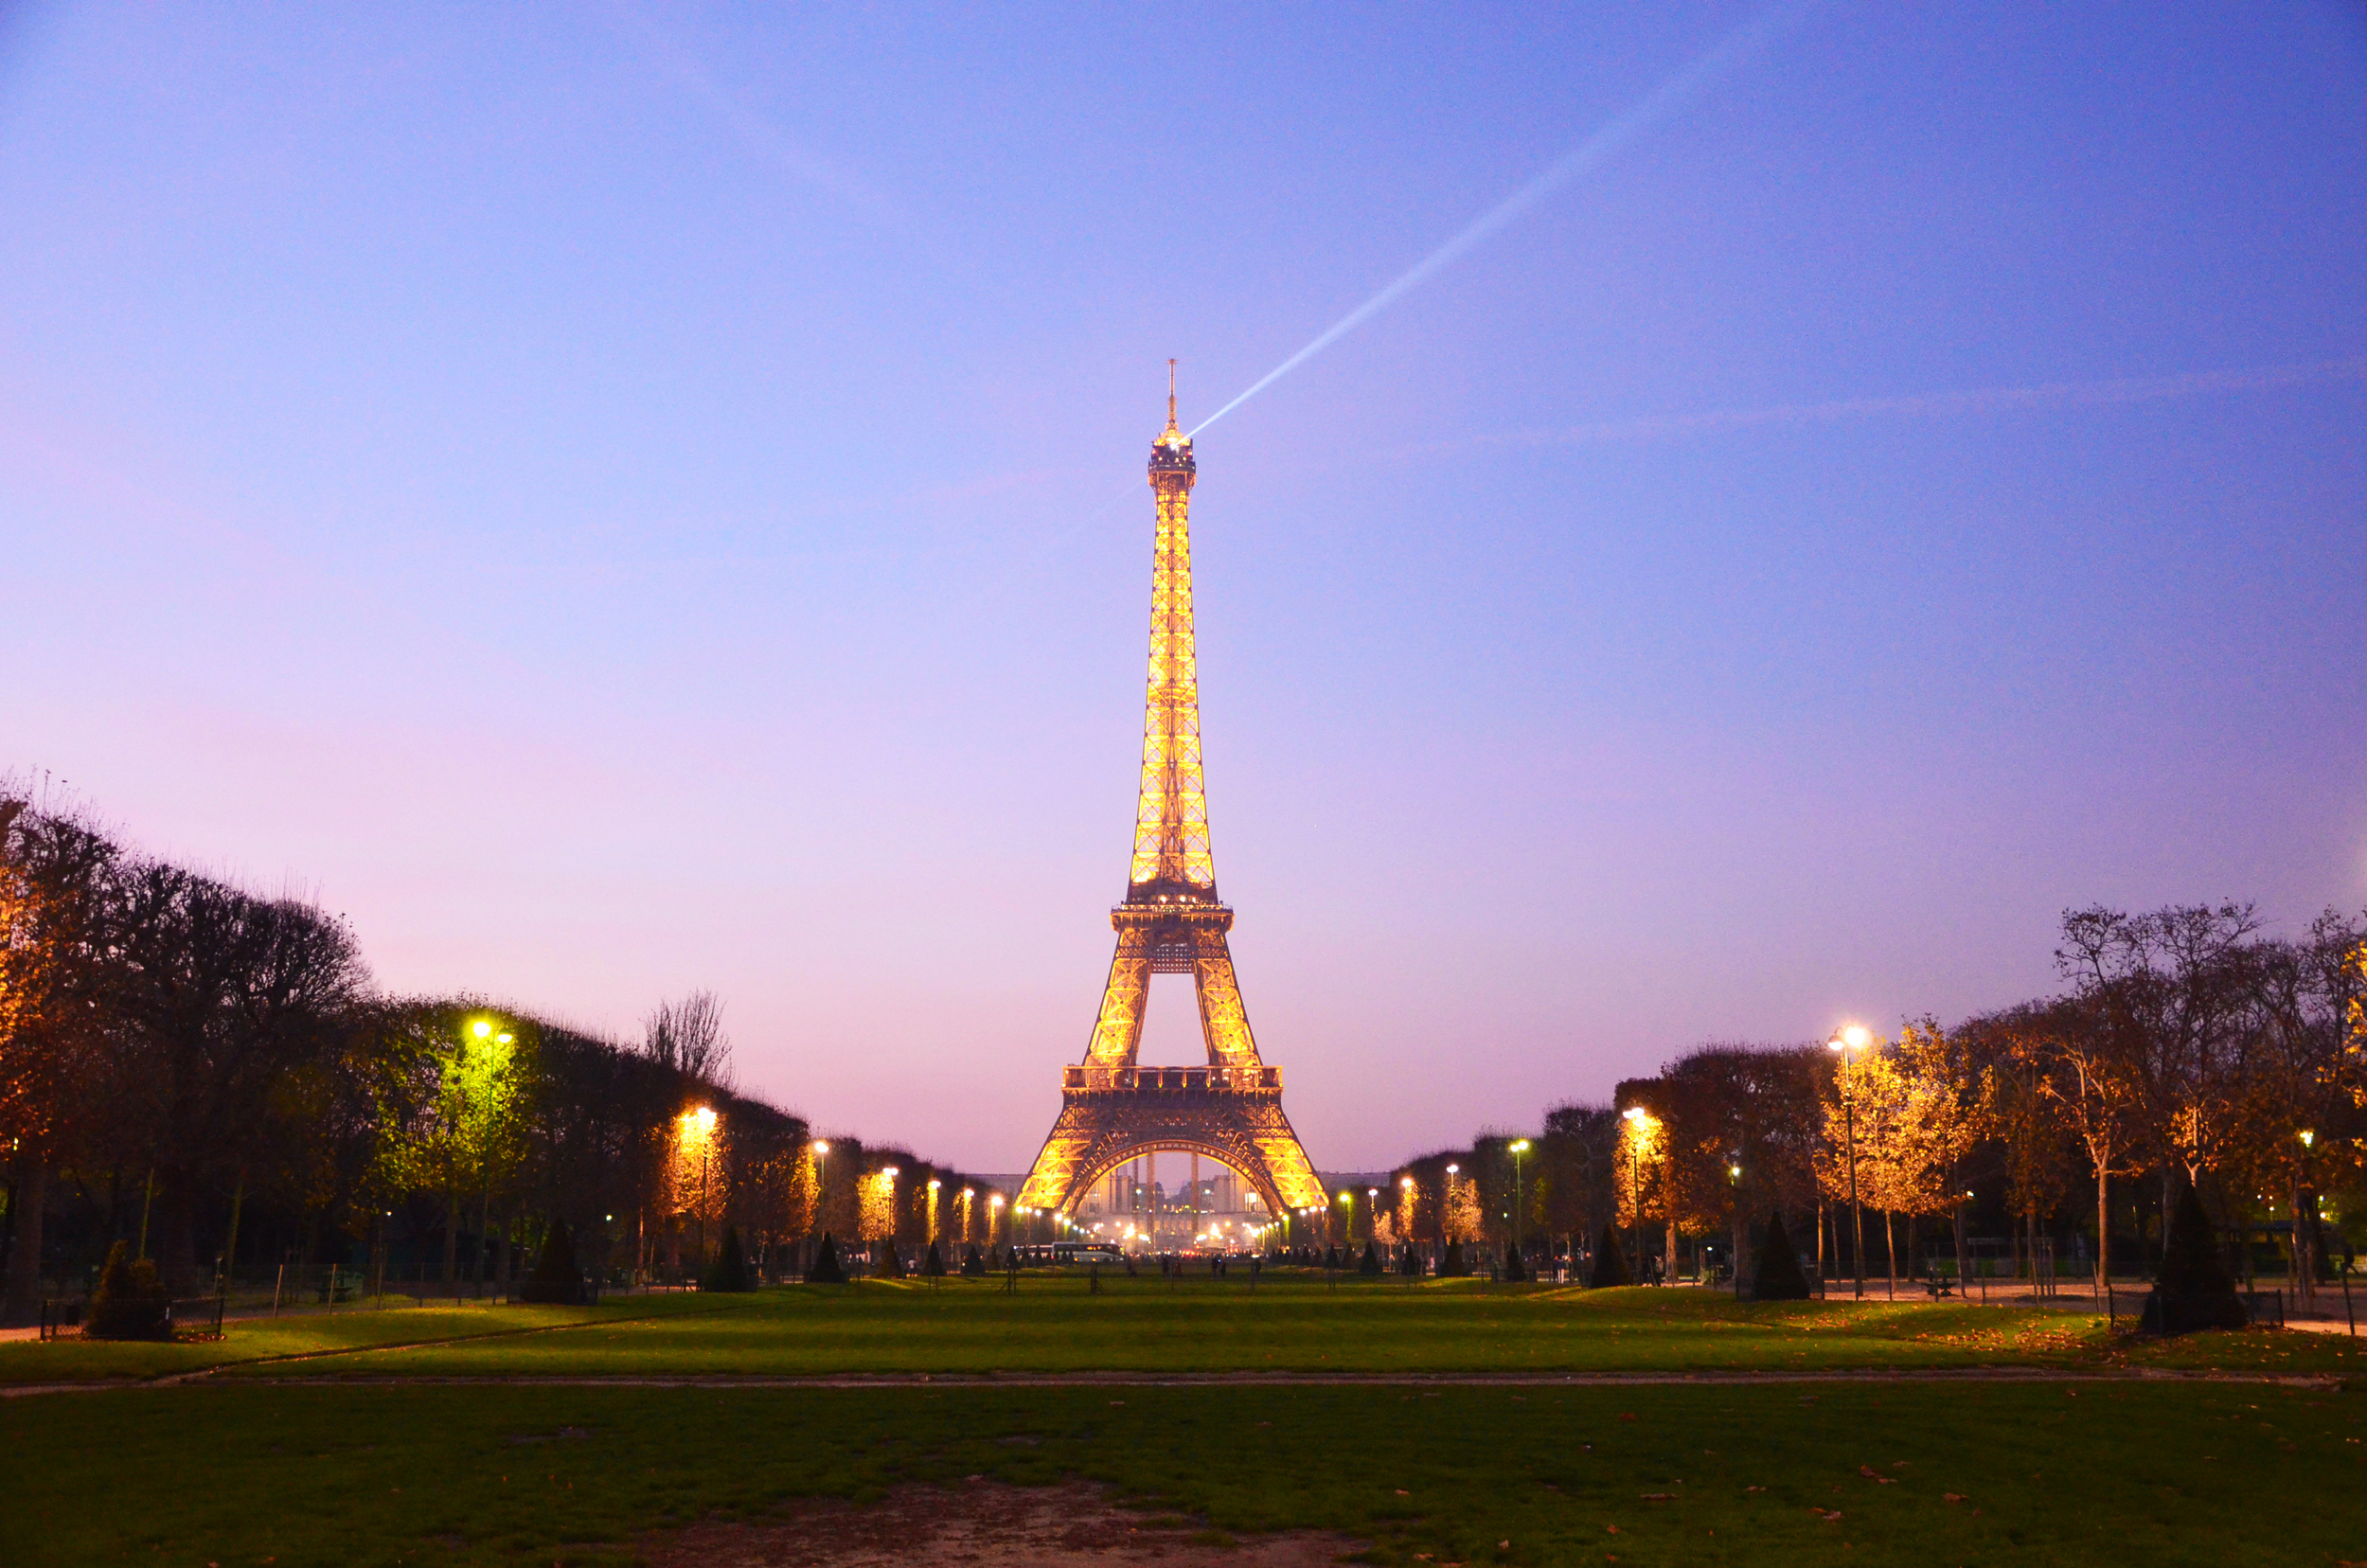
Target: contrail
1672, 94
1992, 400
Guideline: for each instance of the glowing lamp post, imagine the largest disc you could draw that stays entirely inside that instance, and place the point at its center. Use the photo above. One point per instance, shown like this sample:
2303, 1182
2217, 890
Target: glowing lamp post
1446, 1208
821, 1183
1520, 1147
1639, 1128
1854, 1038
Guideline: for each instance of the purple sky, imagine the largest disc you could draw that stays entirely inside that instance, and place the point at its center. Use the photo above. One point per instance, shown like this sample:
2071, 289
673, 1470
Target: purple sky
621, 500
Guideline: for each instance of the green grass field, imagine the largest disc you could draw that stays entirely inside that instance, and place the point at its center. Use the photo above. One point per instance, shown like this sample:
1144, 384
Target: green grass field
232, 1470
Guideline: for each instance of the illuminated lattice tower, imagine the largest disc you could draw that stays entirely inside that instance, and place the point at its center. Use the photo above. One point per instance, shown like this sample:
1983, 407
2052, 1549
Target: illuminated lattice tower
1172, 923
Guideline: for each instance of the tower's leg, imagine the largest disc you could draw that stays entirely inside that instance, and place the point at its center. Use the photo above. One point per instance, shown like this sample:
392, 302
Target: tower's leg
1119, 1027
1223, 1022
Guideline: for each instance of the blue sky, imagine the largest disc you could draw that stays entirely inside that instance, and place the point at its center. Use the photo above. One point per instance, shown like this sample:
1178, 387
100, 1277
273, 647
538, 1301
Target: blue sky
620, 499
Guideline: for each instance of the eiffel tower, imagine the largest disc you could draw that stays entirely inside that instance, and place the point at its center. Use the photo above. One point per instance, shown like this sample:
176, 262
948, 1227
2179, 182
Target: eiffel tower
1172, 923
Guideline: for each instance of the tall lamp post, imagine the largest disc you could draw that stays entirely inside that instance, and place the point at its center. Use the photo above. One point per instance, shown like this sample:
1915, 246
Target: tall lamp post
1406, 1190
821, 1185
1520, 1148
1854, 1038
1636, 1116
704, 1117
1446, 1208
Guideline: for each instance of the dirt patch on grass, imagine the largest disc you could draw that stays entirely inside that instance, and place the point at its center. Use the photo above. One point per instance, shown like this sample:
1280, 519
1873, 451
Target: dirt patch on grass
982, 1524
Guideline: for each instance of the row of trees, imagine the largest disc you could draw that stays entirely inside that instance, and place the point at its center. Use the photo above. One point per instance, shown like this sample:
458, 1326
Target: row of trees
210, 1074
2185, 1049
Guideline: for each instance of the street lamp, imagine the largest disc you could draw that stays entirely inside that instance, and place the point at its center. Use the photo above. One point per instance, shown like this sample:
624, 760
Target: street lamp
1853, 1038
1444, 1209
1520, 1148
699, 1126
1636, 1116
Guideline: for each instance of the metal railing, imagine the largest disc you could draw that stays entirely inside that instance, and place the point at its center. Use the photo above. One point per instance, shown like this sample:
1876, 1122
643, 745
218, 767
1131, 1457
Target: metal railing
1171, 1080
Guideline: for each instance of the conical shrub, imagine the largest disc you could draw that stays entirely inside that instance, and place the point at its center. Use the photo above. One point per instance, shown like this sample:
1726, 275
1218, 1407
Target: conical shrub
1369, 1265
826, 1269
1411, 1264
1452, 1264
2194, 1290
555, 1281
974, 1264
729, 1271
933, 1266
891, 1262
1611, 1264
1777, 1274
1515, 1271
130, 1303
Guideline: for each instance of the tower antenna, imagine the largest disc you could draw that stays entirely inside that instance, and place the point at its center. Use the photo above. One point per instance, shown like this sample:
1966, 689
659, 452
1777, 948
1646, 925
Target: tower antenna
1171, 395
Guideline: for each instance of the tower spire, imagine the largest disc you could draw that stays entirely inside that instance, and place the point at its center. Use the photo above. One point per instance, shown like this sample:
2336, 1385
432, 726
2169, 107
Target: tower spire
1171, 426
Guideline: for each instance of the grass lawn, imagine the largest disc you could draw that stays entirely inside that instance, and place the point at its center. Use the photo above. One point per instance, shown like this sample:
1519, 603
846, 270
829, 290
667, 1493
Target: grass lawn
229, 1469
238, 1474
1053, 1324
315, 1333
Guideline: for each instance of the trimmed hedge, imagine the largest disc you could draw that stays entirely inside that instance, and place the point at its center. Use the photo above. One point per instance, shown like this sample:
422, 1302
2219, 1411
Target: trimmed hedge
130, 1303
555, 1281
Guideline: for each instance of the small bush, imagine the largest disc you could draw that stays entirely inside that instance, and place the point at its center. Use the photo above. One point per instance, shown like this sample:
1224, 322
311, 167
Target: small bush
1452, 1264
1369, 1265
556, 1280
826, 1269
1515, 1271
729, 1271
1611, 1264
1411, 1264
933, 1266
130, 1303
1776, 1272
890, 1262
974, 1264
2194, 1289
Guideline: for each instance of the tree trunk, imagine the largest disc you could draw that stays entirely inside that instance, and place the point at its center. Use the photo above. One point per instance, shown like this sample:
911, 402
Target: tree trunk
2304, 1278
452, 1240
230, 1244
23, 1301
1963, 1263
2104, 1226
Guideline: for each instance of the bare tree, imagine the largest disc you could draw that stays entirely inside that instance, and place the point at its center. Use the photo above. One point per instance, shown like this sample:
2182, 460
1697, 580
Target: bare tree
688, 1037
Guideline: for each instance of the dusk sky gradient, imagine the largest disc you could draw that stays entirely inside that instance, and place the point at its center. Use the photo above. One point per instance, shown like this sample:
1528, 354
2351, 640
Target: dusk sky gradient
621, 499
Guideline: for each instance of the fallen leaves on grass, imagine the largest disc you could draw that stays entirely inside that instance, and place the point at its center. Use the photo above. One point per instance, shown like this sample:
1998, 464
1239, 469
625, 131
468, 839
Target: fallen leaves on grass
1879, 1479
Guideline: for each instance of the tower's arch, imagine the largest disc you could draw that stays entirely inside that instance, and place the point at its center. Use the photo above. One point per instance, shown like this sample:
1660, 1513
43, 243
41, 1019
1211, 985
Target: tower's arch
1107, 1163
